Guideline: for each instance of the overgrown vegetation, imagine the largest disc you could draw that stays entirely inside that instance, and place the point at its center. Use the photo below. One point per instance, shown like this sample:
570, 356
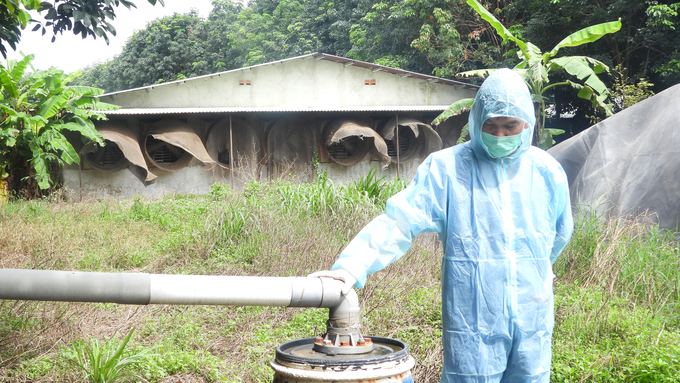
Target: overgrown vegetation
38, 111
617, 286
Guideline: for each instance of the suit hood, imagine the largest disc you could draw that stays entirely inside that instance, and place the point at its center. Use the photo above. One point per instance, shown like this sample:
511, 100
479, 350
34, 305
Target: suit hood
503, 94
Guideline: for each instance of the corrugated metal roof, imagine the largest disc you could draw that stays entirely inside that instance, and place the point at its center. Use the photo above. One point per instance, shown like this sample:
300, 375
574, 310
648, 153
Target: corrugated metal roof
293, 109
318, 56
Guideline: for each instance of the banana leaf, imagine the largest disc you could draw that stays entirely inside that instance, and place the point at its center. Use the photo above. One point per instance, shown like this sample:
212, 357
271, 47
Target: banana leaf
8, 84
84, 127
53, 105
453, 110
68, 154
500, 28
579, 66
585, 35
546, 140
42, 175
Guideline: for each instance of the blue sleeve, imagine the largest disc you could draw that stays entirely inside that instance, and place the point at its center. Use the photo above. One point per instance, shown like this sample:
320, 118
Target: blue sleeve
419, 208
564, 225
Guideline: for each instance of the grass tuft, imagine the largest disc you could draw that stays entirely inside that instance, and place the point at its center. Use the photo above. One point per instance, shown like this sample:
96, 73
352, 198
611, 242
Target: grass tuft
103, 362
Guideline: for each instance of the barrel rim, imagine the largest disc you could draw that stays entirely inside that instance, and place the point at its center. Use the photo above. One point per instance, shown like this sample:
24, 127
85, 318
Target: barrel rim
400, 355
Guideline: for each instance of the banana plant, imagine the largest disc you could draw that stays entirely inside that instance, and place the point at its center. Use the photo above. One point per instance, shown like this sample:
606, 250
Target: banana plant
36, 110
458, 107
535, 68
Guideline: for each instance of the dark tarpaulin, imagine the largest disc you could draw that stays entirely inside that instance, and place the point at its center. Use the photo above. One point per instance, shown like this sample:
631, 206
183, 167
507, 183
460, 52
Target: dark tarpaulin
119, 134
290, 148
178, 137
343, 130
427, 141
629, 164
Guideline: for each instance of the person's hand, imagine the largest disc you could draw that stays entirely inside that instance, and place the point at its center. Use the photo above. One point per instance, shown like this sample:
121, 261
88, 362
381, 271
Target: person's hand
339, 274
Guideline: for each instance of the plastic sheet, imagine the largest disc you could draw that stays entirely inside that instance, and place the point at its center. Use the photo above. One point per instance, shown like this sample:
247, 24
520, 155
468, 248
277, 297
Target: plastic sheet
117, 133
356, 140
628, 164
420, 139
246, 145
290, 147
171, 144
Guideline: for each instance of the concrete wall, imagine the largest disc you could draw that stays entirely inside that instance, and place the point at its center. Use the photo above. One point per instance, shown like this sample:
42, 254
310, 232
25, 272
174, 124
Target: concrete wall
123, 184
304, 82
343, 174
197, 179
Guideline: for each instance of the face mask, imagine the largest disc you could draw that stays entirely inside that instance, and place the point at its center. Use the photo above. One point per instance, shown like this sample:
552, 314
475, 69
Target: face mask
501, 146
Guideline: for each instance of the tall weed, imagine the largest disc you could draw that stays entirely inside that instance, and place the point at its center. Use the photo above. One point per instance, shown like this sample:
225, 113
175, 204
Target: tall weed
617, 312
104, 362
625, 258
370, 186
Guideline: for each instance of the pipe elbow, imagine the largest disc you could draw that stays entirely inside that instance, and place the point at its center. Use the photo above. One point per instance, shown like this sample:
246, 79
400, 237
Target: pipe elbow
347, 313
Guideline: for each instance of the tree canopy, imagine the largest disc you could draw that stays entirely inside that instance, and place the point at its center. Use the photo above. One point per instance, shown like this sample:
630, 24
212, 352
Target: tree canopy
440, 37
83, 17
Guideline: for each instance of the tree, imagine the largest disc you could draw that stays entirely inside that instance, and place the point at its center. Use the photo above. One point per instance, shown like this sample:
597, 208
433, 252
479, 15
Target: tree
662, 28
166, 50
232, 37
536, 67
14, 17
385, 32
169, 48
219, 52
454, 38
84, 17
645, 47
268, 32
38, 112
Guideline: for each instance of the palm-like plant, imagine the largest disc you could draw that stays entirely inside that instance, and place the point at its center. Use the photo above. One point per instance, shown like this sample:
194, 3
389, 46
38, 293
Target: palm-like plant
535, 67
35, 112
104, 362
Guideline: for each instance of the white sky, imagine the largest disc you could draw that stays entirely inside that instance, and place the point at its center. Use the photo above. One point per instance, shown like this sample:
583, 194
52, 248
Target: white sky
70, 52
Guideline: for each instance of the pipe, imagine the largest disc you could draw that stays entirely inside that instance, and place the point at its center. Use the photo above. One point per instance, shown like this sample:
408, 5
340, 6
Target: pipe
143, 289
344, 320
396, 126
231, 153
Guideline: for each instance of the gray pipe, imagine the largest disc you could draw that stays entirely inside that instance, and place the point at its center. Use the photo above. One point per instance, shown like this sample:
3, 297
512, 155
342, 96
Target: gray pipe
74, 286
142, 289
344, 320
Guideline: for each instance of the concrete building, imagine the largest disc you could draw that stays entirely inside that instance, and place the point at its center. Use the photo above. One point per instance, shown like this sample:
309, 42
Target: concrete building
268, 121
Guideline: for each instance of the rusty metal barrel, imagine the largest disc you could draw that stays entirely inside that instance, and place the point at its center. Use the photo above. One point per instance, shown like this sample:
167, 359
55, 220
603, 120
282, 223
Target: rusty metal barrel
388, 362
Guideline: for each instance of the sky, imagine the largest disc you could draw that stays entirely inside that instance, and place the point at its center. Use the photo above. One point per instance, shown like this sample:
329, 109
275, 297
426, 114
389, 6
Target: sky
70, 52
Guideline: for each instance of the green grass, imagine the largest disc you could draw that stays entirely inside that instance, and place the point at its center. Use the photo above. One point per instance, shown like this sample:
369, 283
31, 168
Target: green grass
103, 362
617, 287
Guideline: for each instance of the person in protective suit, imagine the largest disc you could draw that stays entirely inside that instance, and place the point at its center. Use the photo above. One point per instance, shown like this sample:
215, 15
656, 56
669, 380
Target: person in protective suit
501, 209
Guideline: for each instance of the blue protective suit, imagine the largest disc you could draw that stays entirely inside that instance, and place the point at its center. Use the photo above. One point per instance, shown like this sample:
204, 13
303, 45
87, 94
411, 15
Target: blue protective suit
502, 222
